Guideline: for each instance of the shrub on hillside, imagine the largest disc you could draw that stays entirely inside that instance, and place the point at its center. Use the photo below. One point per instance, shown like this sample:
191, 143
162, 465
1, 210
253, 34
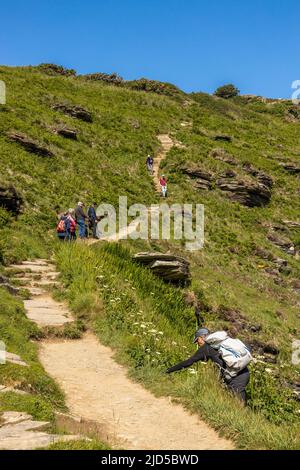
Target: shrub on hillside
227, 91
153, 86
112, 78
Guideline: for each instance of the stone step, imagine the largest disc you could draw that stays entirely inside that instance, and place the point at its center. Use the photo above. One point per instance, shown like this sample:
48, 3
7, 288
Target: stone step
20, 432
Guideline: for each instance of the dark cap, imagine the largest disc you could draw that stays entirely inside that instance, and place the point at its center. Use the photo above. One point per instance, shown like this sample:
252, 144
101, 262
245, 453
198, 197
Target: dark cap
201, 332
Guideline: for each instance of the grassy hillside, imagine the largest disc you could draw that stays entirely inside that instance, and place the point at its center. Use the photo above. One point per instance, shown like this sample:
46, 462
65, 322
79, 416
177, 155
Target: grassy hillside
242, 279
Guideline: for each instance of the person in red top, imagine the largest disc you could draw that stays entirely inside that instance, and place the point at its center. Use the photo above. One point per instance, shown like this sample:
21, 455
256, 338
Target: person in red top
163, 185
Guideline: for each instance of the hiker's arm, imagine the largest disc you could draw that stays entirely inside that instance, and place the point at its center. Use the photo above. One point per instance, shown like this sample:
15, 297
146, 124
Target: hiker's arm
199, 356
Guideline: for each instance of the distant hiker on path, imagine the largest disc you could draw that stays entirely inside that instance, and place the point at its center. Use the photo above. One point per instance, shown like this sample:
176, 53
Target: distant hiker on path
163, 185
149, 163
93, 219
81, 218
231, 356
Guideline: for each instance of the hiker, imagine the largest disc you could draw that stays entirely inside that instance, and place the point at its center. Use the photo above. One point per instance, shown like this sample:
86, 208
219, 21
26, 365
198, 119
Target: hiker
163, 185
62, 227
230, 355
71, 226
93, 219
81, 217
149, 163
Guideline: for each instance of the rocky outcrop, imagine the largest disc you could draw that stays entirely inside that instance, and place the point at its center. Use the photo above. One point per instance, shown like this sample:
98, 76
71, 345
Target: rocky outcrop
283, 243
261, 176
66, 132
203, 178
10, 199
222, 155
293, 114
268, 351
168, 267
30, 145
291, 223
74, 111
54, 70
247, 194
238, 321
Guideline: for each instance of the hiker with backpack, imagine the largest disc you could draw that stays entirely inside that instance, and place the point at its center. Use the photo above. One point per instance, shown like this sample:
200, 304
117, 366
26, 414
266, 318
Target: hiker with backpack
163, 185
62, 227
81, 218
231, 356
149, 163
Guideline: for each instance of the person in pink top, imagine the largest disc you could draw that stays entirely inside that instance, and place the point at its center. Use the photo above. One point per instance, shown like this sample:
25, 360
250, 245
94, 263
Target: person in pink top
163, 185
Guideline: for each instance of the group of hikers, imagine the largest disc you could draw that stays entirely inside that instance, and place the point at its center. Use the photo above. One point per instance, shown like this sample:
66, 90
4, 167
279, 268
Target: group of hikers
162, 179
78, 217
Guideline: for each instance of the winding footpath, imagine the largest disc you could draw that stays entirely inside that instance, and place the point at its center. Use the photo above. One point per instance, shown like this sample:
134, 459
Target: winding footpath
97, 388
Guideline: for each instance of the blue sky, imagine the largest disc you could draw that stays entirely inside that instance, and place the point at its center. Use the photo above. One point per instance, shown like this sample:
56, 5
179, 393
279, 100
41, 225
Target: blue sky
196, 44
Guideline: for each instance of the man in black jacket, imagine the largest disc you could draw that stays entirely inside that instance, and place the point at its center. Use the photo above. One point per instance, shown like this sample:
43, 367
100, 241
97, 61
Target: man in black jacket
205, 353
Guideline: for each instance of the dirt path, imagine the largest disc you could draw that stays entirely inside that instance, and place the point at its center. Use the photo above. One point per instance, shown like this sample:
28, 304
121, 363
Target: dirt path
166, 145
98, 389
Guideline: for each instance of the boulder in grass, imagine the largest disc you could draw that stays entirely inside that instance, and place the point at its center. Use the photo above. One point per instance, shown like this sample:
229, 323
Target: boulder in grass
67, 133
247, 194
30, 145
169, 267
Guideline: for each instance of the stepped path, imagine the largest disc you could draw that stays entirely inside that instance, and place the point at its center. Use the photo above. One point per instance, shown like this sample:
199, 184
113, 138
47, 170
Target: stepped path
166, 145
98, 389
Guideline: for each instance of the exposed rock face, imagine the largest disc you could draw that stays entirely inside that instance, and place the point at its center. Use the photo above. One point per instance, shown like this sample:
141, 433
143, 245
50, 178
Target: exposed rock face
291, 223
67, 133
204, 178
30, 145
269, 351
290, 168
223, 138
284, 244
247, 194
222, 155
237, 321
10, 199
168, 267
75, 111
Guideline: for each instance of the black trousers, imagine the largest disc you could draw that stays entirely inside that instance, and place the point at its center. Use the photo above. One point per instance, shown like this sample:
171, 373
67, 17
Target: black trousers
239, 383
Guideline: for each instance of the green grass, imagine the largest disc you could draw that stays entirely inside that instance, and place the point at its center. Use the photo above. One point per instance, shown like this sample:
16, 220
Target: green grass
17, 332
149, 326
